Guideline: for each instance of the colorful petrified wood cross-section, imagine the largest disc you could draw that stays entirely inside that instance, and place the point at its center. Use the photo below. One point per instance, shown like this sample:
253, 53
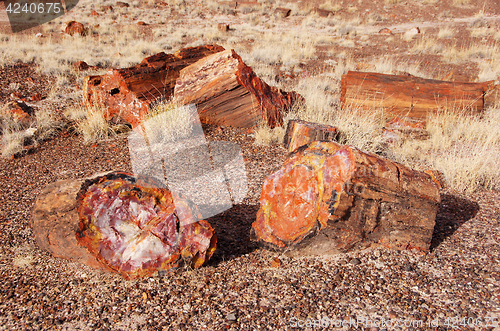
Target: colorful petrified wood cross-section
135, 228
297, 199
356, 199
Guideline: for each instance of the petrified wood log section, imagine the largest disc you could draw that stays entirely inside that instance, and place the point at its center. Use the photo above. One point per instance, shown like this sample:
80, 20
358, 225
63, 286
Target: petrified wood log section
401, 128
127, 93
117, 223
227, 92
300, 133
411, 96
359, 199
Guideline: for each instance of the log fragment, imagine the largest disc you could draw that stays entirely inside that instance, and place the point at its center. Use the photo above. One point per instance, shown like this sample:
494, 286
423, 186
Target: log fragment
411, 96
223, 27
300, 133
351, 198
282, 12
227, 92
127, 93
402, 128
118, 223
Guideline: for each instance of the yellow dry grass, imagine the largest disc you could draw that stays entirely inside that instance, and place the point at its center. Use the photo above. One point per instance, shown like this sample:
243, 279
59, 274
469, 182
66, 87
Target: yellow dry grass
464, 147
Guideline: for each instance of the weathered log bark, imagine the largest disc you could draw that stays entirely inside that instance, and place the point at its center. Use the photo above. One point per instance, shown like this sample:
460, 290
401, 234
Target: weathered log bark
117, 223
227, 92
127, 93
352, 198
300, 133
411, 96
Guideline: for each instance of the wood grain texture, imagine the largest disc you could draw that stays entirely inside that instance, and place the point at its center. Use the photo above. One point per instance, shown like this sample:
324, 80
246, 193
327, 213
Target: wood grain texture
128, 92
300, 133
373, 202
411, 96
227, 92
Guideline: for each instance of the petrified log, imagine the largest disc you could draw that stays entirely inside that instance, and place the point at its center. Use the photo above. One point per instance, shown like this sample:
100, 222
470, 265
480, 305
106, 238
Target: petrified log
296, 200
322, 12
411, 96
127, 93
227, 92
401, 128
356, 199
118, 223
300, 133
17, 111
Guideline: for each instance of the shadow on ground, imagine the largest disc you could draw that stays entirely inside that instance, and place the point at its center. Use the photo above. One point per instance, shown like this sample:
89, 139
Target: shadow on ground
452, 213
233, 232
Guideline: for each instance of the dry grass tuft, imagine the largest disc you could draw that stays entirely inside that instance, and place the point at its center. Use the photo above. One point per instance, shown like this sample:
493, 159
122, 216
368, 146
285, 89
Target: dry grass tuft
446, 32
15, 136
265, 136
461, 2
168, 121
464, 147
93, 126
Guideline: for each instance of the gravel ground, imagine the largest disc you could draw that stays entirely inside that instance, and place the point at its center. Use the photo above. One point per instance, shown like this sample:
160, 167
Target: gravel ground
244, 287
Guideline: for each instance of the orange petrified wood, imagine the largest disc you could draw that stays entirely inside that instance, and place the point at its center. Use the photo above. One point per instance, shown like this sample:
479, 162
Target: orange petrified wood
296, 199
300, 133
227, 92
412, 96
358, 199
128, 93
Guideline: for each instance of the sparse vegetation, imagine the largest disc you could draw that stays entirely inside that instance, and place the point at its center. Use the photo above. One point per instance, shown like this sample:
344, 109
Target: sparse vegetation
122, 44
91, 123
169, 121
461, 2
464, 147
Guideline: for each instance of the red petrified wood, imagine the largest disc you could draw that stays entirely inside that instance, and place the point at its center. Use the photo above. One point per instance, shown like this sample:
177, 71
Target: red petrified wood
127, 93
412, 96
355, 198
117, 223
296, 200
227, 92
300, 133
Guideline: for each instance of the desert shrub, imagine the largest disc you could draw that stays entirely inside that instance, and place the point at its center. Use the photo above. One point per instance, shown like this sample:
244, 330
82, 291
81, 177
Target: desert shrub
265, 136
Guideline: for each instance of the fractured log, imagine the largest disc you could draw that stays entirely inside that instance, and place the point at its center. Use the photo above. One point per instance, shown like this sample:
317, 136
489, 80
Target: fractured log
119, 223
128, 93
227, 92
352, 198
300, 133
411, 96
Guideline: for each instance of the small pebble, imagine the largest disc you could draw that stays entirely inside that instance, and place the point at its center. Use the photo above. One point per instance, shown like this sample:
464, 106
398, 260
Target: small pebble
355, 261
